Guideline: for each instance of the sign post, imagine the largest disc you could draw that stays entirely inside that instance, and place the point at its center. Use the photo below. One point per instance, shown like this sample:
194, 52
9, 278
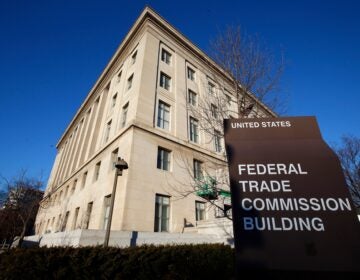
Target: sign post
291, 206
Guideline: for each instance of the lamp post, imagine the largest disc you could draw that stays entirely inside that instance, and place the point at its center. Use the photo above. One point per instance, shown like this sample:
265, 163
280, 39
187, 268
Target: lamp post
120, 165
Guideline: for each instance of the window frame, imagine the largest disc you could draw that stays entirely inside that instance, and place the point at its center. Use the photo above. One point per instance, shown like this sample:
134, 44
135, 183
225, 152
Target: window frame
161, 221
191, 73
194, 130
124, 113
107, 131
166, 56
217, 141
192, 97
197, 169
211, 88
133, 57
163, 116
130, 82
199, 211
165, 81
97, 171
163, 163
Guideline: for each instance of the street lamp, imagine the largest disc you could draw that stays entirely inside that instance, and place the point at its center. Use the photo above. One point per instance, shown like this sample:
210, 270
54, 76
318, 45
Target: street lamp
120, 165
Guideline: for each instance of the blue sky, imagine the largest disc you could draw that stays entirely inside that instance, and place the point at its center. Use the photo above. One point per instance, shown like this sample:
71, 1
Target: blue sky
52, 52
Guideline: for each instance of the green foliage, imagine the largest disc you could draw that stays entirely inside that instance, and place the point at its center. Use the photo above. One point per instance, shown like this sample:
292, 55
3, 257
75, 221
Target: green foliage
205, 261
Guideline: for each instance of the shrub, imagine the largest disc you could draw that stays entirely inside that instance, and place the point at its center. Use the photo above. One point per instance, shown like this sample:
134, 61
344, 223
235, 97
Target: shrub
206, 261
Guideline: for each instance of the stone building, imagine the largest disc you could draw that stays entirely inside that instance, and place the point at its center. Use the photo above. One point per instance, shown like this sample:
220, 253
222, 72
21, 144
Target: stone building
141, 109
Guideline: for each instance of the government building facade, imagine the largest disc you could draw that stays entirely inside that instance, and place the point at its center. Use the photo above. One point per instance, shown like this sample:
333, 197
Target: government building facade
143, 108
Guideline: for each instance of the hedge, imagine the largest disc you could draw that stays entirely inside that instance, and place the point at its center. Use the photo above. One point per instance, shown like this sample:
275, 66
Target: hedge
206, 261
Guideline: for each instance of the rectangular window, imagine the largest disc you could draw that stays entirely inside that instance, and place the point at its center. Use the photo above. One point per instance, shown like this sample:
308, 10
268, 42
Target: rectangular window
162, 213
97, 171
119, 77
76, 214
163, 120
197, 169
113, 101
66, 191
74, 186
165, 56
133, 58
129, 82
200, 210
163, 159
88, 215
84, 180
192, 99
211, 88
124, 115
214, 111
114, 156
165, 81
63, 226
217, 141
191, 74
107, 201
107, 131
58, 224
194, 130
228, 100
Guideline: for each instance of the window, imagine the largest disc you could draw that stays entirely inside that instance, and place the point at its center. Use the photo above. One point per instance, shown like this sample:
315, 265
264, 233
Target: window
114, 156
97, 171
197, 169
107, 131
165, 56
200, 210
63, 226
191, 74
163, 120
165, 81
113, 101
129, 82
74, 186
133, 58
88, 215
211, 88
192, 99
58, 224
107, 201
213, 111
52, 223
228, 99
163, 159
162, 213
124, 114
84, 180
66, 191
119, 76
217, 141
194, 127
76, 214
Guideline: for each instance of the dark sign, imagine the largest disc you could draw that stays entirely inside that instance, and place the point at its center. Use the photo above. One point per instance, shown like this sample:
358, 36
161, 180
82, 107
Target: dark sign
291, 207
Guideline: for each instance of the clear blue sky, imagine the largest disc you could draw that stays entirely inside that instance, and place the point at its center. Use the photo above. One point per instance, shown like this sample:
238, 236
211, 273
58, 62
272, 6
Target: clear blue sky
52, 52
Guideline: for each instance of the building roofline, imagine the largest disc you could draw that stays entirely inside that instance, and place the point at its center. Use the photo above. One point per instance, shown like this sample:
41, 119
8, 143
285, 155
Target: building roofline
149, 14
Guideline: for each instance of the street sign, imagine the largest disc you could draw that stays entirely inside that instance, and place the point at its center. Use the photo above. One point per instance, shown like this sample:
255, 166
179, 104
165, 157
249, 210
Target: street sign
291, 207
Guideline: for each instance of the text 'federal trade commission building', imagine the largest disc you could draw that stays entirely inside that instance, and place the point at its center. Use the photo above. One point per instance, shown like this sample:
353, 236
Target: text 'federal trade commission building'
145, 108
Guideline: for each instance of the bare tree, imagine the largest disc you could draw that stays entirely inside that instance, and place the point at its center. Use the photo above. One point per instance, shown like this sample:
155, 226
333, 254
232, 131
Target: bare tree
21, 206
253, 68
246, 86
349, 155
